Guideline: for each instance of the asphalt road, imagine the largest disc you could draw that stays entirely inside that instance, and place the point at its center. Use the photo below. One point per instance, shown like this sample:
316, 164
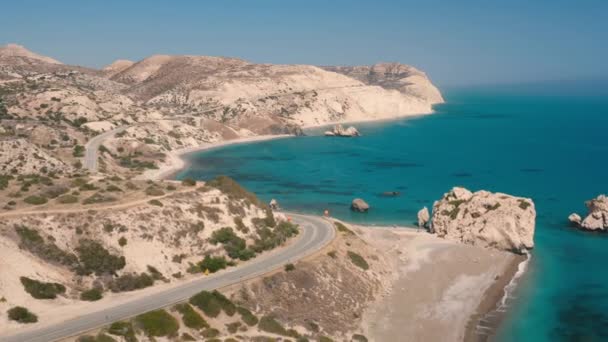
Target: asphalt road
92, 146
315, 233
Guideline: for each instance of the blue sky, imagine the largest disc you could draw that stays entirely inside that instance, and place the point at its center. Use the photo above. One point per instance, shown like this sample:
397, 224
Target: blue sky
455, 42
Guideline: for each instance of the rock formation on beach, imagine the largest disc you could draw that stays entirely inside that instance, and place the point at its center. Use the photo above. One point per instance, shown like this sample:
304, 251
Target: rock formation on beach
492, 220
359, 205
339, 131
423, 217
597, 216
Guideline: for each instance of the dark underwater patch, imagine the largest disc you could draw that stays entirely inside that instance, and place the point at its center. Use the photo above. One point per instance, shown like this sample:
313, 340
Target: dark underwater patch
580, 319
391, 164
531, 170
462, 174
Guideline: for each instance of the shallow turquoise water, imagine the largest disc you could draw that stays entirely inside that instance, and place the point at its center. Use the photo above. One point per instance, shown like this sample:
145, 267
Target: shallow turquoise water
548, 142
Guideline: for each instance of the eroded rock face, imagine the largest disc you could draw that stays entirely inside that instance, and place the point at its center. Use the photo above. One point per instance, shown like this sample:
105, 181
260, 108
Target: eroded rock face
423, 217
359, 205
597, 217
485, 219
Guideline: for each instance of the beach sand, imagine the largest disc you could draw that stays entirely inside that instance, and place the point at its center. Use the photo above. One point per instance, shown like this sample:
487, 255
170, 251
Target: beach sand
438, 289
175, 162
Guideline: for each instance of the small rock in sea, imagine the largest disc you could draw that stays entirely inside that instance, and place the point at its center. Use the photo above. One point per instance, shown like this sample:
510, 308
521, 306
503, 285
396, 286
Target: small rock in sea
274, 205
597, 216
359, 205
340, 131
575, 219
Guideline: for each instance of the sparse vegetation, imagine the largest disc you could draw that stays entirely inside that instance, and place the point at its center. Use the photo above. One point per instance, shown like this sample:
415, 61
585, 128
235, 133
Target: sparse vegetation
233, 190
190, 317
358, 260
92, 294
359, 338
124, 329
21, 315
131, 282
211, 264
269, 324
188, 182
235, 246
122, 241
78, 151
98, 198
343, 229
35, 200
94, 258
289, 267
212, 303
247, 316
67, 199
42, 290
523, 204
155, 202
154, 191
157, 323
33, 242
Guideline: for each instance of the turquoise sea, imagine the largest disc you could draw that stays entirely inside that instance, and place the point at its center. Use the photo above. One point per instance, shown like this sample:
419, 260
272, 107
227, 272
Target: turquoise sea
545, 141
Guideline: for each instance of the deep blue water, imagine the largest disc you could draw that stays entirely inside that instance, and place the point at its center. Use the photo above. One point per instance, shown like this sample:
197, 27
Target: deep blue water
544, 141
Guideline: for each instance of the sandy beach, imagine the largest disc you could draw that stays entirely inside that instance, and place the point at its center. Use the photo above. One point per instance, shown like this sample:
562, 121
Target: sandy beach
438, 289
174, 161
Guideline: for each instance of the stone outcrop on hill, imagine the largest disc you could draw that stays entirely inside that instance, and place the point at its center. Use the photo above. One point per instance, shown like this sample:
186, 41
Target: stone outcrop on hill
492, 220
597, 216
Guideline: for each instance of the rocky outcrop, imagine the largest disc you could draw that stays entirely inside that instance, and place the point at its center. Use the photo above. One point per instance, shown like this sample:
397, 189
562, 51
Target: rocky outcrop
274, 205
339, 131
423, 217
486, 219
597, 216
359, 205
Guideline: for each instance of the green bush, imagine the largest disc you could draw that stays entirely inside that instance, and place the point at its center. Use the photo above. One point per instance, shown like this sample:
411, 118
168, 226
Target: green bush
358, 260
523, 204
212, 303
99, 338
122, 241
155, 202
35, 200
67, 199
233, 190
210, 333
188, 182
94, 258
41, 290
21, 315
233, 327
235, 247
154, 191
131, 282
78, 151
124, 329
98, 198
325, 339
289, 267
343, 229
270, 325
213, 264
157, 323
92, 294
247, 316
33, 242
271, 238
190, 317
359, 338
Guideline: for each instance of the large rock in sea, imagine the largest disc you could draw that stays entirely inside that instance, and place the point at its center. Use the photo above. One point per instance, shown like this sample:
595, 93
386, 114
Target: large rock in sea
359, 205
486, 219
423, 217
597, 216
340, 131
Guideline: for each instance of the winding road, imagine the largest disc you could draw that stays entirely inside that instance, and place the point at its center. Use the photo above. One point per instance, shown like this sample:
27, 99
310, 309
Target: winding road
90, 153
315, 233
